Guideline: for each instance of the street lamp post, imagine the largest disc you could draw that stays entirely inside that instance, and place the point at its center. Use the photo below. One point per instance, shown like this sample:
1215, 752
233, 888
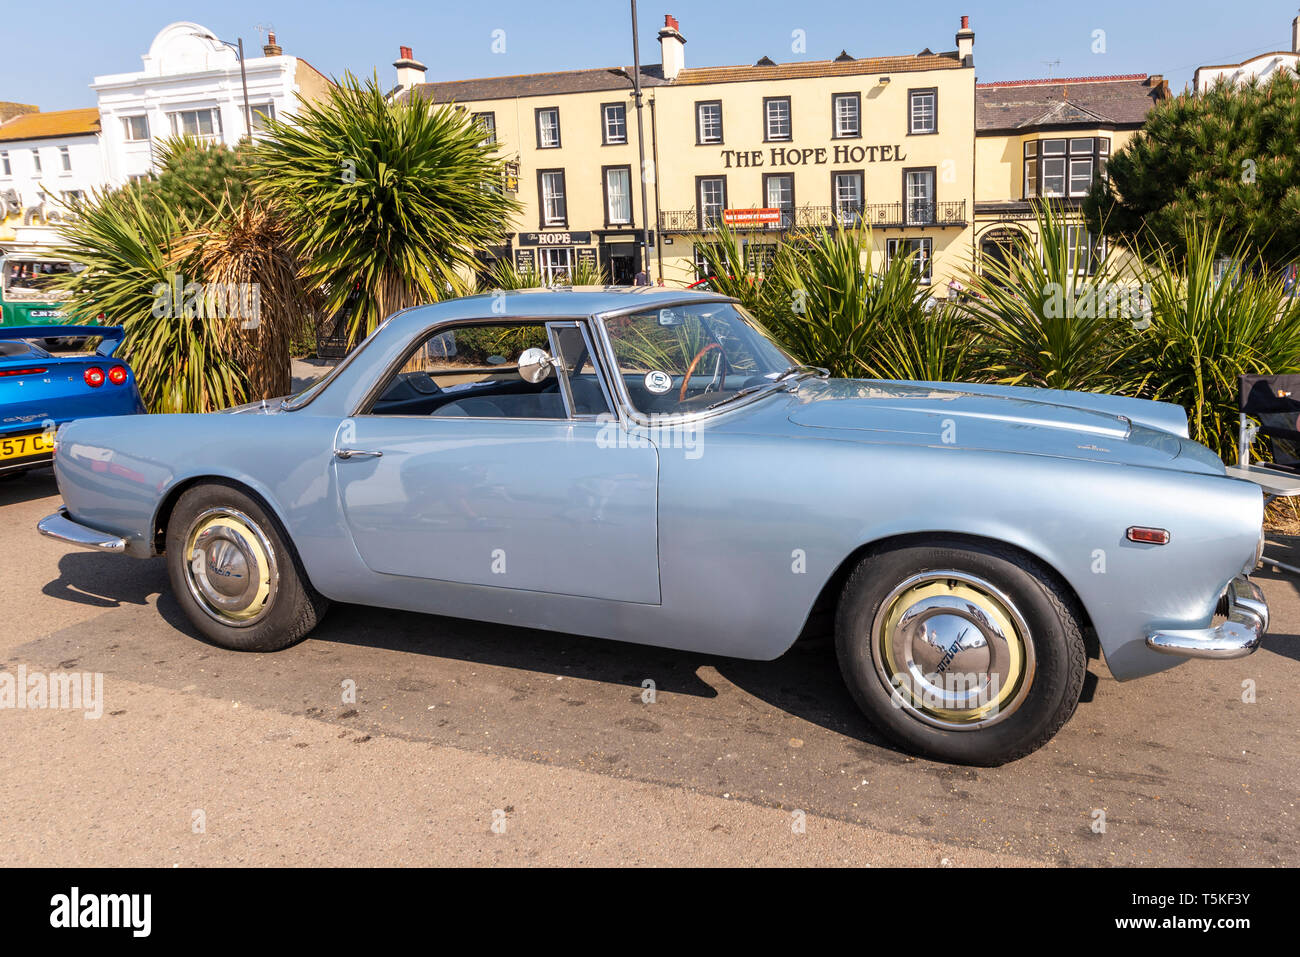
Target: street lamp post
640, 145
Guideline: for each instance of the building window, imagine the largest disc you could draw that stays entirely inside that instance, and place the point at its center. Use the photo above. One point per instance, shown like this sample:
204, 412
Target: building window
846, 113
701, 262
36, 161
556, 264
776, 118
922, 253
205, 124
262, 112
548, 128
73, 197
846, 197
487, 122
1061, 168
918, 196
613, 124
778, 193
135, 128
5, 166
708, 122
759, 257
712, 193
922, 112
618, 195
555, 212
65, 159
1083, 252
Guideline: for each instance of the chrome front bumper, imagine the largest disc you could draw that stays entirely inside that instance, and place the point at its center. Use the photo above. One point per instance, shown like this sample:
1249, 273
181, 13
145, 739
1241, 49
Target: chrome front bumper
1235, 638
64, 529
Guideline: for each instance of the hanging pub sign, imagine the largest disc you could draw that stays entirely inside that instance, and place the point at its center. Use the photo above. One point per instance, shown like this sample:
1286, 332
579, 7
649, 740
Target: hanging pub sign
555, 239
512, 177
751, 217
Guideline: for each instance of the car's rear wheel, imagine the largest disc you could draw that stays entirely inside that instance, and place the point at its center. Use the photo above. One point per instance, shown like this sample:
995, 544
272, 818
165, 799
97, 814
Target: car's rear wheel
234, 573
961, 651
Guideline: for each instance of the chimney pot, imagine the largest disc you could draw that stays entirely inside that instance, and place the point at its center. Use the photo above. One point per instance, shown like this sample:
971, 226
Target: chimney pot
672, 47
271, 48
966, 43
410, 71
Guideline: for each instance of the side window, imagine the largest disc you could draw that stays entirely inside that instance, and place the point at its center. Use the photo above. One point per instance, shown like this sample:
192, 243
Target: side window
572, 350
473, 371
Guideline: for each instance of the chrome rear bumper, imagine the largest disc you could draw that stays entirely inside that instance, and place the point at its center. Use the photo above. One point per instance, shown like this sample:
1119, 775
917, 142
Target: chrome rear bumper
64, 529
1235, 638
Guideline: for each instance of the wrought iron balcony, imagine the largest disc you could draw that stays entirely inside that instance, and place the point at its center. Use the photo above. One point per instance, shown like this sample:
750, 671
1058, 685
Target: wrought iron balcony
877, 215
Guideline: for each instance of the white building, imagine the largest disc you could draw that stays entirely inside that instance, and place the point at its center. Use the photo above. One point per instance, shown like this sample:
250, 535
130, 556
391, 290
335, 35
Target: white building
191, 83
1261, 67
47, 162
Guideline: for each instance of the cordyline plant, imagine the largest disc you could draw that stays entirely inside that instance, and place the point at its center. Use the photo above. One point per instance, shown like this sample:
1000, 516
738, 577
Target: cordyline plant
387, 200
208, 296
1208, 326
820, 298
1043, 317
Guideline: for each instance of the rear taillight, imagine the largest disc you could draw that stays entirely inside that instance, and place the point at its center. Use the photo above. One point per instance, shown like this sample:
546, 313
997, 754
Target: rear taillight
32, 371
117, 375
94, 377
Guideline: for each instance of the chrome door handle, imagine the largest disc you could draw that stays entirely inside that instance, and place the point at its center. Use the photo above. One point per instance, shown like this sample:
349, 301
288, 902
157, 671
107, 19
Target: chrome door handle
356, 454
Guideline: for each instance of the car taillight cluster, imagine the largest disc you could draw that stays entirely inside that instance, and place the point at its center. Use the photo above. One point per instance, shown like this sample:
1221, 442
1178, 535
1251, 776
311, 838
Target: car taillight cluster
95, 376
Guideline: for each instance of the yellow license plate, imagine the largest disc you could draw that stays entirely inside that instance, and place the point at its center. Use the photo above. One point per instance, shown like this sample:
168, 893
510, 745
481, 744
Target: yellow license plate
20, 446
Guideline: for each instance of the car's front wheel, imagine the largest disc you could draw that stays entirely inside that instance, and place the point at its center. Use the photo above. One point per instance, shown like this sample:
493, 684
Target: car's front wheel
960, 651
234, 574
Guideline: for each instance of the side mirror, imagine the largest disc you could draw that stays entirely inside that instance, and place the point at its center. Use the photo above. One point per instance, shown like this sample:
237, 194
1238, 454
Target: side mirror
535, 364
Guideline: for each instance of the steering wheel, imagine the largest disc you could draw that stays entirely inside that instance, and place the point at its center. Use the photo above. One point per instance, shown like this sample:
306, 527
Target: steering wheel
686, 380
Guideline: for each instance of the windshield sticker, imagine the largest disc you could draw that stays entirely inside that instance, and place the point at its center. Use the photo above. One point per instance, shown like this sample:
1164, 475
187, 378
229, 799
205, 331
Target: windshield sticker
658, 382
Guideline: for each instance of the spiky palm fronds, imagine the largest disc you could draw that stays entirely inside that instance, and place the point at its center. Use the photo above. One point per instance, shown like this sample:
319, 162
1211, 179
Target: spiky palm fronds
389, 198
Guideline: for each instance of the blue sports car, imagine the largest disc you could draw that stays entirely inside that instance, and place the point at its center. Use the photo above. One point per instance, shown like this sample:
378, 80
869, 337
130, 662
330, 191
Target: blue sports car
648, 465
40, 391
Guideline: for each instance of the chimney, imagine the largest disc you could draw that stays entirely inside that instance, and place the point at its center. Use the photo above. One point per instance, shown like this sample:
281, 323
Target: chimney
672, 48
966, 43
272, 48
410, 71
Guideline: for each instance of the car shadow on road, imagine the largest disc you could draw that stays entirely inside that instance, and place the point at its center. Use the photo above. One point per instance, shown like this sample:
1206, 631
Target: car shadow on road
804, 682
27, 486
104, 580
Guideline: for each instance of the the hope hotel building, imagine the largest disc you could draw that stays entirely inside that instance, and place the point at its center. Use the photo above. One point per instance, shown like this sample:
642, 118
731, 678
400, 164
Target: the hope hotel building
774, 148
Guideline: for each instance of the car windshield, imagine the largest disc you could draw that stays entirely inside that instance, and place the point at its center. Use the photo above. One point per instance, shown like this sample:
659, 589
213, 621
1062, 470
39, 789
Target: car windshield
688, 358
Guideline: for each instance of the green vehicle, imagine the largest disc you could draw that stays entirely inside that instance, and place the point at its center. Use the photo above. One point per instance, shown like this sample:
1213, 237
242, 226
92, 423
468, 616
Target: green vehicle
26, 296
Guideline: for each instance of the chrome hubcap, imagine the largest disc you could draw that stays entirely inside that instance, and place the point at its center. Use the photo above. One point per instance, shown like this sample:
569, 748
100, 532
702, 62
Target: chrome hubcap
953, 650
230, 567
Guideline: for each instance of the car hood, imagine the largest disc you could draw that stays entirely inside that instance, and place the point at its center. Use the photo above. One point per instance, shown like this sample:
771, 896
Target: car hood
989, 420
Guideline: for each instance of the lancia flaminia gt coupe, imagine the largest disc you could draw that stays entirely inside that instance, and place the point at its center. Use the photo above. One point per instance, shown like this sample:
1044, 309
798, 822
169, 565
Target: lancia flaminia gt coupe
648, 465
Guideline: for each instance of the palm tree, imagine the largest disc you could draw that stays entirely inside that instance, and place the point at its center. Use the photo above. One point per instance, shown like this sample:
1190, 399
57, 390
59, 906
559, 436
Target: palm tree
385, 202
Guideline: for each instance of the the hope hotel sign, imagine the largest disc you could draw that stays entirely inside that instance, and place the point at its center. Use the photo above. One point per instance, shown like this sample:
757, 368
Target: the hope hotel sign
811, 156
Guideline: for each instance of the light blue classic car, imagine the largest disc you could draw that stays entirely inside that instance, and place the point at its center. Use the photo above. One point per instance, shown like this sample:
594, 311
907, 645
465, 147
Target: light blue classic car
648, 465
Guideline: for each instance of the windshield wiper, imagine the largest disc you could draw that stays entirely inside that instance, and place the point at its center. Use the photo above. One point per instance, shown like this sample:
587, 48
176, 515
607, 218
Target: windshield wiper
785, 380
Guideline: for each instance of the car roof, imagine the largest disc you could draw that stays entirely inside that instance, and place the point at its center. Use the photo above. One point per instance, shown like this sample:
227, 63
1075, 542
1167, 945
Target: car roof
564, 301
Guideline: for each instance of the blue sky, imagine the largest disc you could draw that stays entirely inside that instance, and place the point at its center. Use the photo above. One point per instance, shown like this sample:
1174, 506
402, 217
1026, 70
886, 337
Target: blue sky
52, 51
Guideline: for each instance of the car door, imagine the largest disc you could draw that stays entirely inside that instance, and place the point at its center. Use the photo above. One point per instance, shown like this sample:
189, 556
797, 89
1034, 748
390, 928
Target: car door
490, 481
